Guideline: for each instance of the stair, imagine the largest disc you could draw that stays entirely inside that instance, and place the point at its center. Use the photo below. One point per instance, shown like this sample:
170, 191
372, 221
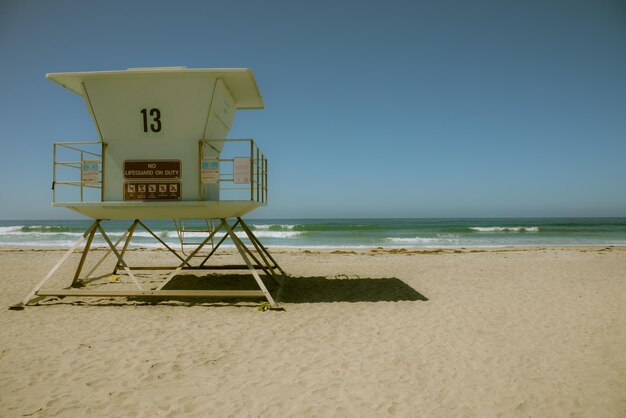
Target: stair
189, 244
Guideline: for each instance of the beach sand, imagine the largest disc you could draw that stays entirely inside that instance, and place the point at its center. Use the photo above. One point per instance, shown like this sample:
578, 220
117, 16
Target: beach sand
528, 332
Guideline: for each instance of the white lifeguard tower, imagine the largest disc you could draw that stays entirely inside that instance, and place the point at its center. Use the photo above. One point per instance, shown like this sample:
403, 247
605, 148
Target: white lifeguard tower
161, 154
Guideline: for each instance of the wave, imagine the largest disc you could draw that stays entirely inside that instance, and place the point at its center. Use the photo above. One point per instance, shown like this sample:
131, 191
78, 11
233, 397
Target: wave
46, 228
242, 235
16, 229
40, 234
267, 233
10, 229
48, 244
505, 228
330, 227
143, 234
277, 234
273, 227
422, 240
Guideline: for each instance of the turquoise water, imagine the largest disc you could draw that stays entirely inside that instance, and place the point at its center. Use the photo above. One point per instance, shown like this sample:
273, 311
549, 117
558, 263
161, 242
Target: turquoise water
320, 233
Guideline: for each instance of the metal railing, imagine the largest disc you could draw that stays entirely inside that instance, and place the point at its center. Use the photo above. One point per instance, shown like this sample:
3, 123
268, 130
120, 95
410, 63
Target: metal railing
225, 152
255, 188
77, 164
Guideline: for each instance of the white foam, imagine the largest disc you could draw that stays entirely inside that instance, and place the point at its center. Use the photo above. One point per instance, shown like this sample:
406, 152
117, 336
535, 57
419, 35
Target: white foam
46, 244
171, 235
142, 234
278, 234
10, 229
18, 232
418, 240
267, 227
241, 234
37, 235
505, 228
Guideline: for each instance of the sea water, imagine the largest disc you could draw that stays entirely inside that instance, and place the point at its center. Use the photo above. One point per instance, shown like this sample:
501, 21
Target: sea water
337, 233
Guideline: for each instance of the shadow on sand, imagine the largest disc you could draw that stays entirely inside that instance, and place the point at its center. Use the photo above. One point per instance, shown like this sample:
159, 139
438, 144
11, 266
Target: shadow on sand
322, 289
294, 290
309, 289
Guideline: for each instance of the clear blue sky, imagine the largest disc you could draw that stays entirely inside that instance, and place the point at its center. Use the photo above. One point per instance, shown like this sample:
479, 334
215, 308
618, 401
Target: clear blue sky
395, 109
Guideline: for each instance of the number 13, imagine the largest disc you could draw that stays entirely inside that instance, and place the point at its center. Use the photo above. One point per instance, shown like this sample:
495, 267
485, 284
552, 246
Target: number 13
155, 113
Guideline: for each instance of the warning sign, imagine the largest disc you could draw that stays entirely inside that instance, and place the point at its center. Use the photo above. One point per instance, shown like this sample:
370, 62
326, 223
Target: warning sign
241, 169
152, 169
210, 170
89, 172
152, 191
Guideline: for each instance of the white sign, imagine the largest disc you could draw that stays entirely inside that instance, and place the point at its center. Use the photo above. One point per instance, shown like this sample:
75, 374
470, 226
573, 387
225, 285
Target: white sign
241, 171
210, 171
90, 173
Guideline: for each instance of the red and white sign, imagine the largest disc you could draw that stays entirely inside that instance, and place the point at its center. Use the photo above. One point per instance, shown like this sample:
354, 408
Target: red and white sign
241, 170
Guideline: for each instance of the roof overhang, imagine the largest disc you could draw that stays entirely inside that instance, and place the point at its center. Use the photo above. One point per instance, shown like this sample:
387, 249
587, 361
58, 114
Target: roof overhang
240, 81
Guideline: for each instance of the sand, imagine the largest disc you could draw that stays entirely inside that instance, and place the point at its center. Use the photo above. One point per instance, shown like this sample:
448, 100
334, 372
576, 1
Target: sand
537, 332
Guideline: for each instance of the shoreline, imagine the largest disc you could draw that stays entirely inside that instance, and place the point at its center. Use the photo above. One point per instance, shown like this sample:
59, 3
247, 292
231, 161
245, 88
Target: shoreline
369, 251
387, 248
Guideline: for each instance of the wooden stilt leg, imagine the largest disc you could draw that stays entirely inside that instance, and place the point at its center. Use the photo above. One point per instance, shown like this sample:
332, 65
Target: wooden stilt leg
131, 231
251, 255
269, 268
216, 246
69, 252
120, 260
254, 238
186, 261
83, 257
242, 251
163, 243
256, 260
106, 254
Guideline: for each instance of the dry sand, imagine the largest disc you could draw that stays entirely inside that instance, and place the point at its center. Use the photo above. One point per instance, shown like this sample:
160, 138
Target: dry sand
535, 332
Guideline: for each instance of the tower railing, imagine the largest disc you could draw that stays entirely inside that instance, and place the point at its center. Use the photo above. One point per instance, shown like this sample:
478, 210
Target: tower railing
232, 183
73, 158
70, 157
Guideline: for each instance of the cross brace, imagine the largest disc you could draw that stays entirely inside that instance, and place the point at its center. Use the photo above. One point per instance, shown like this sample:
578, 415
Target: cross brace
264, 262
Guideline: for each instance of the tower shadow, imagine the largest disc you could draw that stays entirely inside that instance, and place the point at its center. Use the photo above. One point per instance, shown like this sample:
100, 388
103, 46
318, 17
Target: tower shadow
308, 289
323, 289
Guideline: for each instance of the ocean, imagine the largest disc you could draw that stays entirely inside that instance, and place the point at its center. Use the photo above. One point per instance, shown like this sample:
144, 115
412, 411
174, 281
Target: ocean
355, 233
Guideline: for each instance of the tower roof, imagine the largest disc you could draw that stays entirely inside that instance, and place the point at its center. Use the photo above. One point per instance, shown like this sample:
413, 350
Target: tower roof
240, 81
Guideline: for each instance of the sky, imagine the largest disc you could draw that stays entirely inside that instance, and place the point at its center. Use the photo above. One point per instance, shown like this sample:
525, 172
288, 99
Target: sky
372, 109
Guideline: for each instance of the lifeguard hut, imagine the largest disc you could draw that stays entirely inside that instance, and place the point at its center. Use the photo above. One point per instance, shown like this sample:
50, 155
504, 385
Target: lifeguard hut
161, 154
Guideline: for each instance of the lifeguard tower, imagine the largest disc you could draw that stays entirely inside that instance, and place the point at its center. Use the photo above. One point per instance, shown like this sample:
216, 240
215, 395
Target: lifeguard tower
162, 154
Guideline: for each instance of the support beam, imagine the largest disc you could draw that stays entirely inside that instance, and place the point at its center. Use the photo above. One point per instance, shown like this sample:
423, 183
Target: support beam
106, 254
242, 250
83, 257
120, 260
170, 249
267, 267
216, 267
69, 252
260, 245
251, 264
218, 244
131, 231
156, 293
189, 257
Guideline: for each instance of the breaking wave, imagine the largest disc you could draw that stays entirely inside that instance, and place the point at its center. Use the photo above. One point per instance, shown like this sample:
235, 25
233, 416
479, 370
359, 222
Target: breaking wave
242, 235
440, 240
505, 228
273, 227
